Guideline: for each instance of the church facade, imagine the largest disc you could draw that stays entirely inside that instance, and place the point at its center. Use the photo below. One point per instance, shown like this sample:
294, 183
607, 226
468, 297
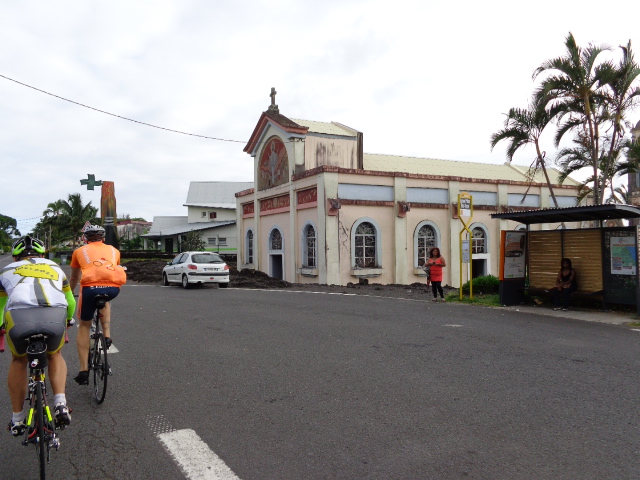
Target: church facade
323, 211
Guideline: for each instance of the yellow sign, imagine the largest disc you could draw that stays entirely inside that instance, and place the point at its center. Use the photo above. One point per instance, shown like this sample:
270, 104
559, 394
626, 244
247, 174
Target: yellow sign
465, 209
37, 270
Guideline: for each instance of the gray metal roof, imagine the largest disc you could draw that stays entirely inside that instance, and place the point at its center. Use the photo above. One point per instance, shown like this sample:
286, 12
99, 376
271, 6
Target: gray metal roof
160, 223
571, 214
188, 227
215, 194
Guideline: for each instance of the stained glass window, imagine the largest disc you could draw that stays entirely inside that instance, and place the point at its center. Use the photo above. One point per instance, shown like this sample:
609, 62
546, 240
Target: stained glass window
478, 241
310, 237
426, 241
276, 240
365, 245
250, 246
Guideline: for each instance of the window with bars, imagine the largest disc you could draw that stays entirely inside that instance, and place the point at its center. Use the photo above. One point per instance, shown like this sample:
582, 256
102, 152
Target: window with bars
365, 246
478, 242
276, 239
310, 246
426, 241
222, 241
249, 246
211, 241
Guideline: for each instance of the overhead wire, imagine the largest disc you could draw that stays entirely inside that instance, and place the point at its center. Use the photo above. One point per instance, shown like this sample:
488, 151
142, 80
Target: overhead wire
120, 116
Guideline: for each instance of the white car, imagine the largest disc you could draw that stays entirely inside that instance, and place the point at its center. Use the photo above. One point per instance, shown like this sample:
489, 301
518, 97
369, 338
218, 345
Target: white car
188, 268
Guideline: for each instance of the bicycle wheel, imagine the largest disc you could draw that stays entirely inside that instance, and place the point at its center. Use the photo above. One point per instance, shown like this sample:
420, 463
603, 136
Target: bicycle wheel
100, 368
40, 430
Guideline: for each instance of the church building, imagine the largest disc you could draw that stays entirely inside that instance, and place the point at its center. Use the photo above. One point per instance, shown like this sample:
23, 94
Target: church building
323, 211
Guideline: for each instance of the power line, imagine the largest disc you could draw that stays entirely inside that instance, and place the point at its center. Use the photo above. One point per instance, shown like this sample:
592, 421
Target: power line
119, 116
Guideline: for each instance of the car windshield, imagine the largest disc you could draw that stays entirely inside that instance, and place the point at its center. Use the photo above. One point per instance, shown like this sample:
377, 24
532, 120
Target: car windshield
206, 258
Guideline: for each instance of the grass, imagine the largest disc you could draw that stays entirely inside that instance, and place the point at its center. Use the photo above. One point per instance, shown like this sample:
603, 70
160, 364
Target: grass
492, 300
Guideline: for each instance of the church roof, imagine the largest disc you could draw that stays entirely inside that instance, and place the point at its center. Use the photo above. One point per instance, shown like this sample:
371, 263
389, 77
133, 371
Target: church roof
326, 128
215, 194
453, 168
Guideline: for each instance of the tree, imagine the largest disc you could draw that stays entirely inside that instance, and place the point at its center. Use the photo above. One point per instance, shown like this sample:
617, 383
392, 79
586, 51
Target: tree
523, 127
192, 241
75, 215
623, 97
573, 95
8, 229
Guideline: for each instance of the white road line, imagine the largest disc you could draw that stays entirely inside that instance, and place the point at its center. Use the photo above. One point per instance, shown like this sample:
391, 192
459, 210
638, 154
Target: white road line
196, 459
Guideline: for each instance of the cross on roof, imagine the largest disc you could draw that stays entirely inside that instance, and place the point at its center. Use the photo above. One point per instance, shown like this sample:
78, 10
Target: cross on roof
91, 182
273, 108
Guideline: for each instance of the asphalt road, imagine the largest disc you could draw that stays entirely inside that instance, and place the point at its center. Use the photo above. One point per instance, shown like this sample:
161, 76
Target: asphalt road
286, 385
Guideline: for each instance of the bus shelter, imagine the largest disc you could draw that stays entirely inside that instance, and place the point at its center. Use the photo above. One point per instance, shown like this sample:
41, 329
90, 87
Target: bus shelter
605, 257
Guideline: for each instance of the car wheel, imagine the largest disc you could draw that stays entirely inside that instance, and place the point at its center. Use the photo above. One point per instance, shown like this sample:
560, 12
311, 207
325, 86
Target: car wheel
185, 281
165, 280
223, 285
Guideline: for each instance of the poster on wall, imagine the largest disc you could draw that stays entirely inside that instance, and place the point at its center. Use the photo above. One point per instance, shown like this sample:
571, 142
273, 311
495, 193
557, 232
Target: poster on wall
623, 255
513, 255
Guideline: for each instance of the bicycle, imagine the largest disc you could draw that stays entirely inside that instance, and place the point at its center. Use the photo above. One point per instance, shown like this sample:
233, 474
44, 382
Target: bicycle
98, 353
40, 426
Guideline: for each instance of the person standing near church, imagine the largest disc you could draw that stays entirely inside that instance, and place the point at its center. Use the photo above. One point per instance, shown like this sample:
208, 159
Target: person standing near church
436, 262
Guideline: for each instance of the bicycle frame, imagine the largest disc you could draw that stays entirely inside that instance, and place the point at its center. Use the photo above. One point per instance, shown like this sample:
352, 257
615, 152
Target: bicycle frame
98, 363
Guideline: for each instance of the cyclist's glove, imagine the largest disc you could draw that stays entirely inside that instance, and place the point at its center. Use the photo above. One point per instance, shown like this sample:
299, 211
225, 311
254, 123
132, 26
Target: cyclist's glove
71, 322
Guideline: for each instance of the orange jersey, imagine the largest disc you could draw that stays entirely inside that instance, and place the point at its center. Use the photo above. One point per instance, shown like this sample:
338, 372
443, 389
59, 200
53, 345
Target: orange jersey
100, 264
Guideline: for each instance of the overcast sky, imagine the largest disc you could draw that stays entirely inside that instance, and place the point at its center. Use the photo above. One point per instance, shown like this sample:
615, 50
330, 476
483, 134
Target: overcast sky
418, 78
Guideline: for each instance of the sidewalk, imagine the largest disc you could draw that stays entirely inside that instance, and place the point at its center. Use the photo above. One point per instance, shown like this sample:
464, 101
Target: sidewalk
588, 315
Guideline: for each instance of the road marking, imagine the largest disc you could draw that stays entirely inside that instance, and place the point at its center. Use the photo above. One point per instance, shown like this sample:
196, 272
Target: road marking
451, 325
195, 458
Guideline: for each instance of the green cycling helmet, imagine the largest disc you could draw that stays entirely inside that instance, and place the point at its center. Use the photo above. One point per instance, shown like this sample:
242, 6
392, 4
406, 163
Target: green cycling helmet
26, 246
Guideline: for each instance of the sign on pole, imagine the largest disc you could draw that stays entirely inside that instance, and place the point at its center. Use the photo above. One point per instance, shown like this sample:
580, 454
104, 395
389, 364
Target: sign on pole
465, 209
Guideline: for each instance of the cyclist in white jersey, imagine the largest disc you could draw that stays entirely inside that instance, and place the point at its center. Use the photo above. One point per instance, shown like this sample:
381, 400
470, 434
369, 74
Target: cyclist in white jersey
35, 298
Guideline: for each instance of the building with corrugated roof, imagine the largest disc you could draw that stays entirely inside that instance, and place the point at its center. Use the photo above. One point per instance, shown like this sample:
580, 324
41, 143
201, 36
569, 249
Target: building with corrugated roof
321, 210
211, 211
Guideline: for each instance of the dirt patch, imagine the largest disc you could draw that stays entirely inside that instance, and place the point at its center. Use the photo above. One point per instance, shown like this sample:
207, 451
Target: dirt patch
150, 272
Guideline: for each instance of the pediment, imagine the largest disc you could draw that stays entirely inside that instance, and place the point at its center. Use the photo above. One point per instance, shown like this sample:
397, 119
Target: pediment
277, 120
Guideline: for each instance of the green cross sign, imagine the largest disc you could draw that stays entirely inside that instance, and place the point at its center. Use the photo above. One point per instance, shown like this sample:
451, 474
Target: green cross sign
91, 182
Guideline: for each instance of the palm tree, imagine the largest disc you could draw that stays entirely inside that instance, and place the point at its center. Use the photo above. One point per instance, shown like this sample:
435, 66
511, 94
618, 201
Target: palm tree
624, 96
523, 127
74, 215
573, 93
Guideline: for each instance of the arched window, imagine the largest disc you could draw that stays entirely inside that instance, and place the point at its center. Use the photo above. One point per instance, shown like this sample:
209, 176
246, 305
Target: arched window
249, 247
426, 239
275, 242
309, 246
479, 240
365, 245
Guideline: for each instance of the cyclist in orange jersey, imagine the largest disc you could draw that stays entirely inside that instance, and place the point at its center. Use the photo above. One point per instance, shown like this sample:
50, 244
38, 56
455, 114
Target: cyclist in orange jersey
96, 266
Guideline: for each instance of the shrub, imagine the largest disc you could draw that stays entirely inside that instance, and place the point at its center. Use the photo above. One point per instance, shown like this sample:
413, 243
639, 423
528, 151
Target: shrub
487, 284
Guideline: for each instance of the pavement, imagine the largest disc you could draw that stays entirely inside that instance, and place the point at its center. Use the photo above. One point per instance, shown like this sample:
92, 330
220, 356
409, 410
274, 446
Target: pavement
589, 315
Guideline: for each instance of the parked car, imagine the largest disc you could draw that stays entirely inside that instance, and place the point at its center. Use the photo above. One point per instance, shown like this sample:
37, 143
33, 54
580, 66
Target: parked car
188, 268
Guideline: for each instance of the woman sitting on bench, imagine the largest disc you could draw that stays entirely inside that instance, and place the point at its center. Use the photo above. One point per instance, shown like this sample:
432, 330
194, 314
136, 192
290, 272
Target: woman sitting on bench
565, 285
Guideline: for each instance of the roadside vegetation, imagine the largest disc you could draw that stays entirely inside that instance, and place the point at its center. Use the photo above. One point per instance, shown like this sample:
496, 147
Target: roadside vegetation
586, 96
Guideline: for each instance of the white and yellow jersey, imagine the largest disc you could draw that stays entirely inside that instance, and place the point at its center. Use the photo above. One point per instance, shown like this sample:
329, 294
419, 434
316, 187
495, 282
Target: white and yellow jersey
33, 282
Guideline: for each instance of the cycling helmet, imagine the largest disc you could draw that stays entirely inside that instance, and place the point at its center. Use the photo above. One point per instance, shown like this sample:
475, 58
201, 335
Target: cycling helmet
27, 246
94, 233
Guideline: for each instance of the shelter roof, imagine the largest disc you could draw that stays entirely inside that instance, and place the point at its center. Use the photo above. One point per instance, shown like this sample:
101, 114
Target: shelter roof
571, 214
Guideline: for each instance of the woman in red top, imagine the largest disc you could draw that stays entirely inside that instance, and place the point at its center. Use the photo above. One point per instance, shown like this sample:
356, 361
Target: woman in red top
436, 262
